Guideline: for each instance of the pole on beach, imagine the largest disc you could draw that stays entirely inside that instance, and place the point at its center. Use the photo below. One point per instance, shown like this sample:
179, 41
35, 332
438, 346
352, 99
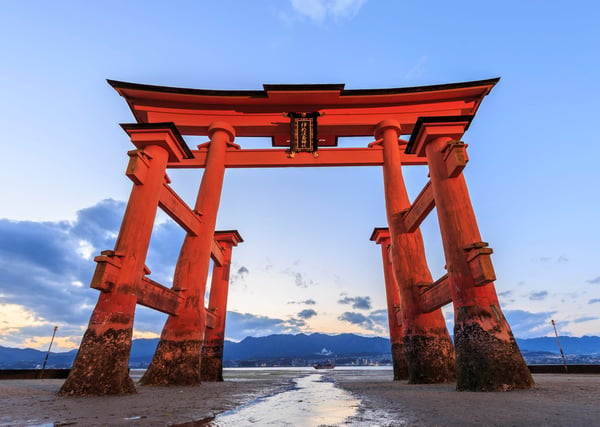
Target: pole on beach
48, 352
560, 347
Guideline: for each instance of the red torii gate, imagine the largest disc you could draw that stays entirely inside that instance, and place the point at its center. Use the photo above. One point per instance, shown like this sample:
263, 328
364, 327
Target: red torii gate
487, 357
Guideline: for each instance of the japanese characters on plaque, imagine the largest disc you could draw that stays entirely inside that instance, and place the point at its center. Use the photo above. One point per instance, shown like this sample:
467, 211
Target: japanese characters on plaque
303, 133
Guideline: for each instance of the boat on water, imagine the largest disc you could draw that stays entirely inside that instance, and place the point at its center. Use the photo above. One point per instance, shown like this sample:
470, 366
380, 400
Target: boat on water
327, 365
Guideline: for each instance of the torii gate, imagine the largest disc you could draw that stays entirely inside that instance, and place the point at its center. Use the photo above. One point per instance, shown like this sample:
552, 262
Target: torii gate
306, 120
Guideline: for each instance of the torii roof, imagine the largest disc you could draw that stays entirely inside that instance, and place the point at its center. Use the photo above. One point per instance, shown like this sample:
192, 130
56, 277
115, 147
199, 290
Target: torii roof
261, 113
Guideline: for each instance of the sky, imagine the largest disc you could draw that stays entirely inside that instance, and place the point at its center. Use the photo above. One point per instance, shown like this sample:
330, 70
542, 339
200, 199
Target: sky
533, 173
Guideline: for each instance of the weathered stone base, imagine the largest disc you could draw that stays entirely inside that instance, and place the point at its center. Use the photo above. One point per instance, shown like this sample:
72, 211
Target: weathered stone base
487, 363
174, 363
211, 369
430, 359
399, 361
101, 365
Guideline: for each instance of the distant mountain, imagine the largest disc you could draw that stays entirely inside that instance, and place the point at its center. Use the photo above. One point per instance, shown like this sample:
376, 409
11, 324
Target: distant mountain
27, 358
302, 345
287, 346
571, 345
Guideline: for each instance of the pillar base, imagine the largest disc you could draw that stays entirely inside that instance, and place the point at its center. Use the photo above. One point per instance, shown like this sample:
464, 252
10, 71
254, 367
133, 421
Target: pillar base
101, 366
430, 359
399, 361
212, 363
174, 363
485, 362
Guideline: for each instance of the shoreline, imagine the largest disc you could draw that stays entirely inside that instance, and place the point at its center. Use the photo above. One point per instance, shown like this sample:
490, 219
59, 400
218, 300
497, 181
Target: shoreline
558, 400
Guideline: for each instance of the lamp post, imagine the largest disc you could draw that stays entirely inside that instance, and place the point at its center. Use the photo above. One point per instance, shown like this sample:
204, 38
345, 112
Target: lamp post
48, 352
560, 347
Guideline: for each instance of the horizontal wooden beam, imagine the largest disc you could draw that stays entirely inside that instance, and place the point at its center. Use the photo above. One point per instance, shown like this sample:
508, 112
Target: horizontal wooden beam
211, 319
280, 158
436, 295
153, 295
421, 207
178, 210
189, 220
345, 122
216, 253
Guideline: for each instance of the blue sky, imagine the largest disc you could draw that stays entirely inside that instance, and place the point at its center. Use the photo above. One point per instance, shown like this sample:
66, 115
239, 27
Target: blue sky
533, 174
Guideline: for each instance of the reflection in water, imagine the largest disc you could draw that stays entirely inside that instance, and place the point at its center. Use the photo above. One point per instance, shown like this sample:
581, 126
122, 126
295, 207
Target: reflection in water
312, 402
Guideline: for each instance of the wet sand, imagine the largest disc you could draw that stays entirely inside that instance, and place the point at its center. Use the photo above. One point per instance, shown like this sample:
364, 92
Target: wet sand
558, 400
35, 402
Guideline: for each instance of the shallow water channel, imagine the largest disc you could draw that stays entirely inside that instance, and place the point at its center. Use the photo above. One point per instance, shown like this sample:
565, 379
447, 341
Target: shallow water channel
312, 401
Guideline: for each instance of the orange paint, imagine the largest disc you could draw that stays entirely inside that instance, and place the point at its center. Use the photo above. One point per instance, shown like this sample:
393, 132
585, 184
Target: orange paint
487, 356
101, 365
214, 339
427, 345
177, 358
381, 236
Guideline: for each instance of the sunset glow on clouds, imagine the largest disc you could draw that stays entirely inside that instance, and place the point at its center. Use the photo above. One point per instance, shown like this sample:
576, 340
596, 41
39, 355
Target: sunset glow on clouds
306, 263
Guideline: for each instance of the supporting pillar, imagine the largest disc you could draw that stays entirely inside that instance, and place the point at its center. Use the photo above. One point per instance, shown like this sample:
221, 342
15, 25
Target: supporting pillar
101, 365
427, 344
488, 357
381, 236
211, 368
177, 357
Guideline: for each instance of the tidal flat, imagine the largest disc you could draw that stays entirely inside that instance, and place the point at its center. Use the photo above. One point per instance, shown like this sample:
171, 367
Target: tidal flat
307, 397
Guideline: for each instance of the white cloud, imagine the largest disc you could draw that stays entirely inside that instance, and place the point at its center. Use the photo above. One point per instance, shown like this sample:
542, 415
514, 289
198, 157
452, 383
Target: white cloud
15, 316
85, 249
525, 324
242, 325
319, 10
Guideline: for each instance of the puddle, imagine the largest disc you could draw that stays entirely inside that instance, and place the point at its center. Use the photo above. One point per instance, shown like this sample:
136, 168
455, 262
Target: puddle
54, 424
312, 402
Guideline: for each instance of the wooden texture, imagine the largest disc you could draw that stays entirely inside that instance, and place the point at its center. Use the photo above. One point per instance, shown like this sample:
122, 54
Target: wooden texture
179, 211
420, 208
279, 158
436, 295
153, 295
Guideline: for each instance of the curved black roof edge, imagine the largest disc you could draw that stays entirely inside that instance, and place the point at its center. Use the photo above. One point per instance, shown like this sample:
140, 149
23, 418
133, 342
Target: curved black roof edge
299, 87
186, 91
428, 88
236, 232
376, 230
434, 119
304, 87
163, 125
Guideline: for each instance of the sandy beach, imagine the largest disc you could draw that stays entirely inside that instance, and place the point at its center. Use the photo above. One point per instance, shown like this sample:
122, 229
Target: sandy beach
558, 400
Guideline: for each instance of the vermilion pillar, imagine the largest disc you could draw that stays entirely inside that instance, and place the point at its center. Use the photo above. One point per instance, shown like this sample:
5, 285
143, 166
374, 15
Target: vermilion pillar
488, 357
177, 357
214, 339
381, 236
427, 344
101, 365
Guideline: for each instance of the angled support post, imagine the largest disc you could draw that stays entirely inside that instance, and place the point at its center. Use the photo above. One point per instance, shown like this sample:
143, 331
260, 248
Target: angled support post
381, 236
487, 356
177, 357
101, 365
427, 345
214, 338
